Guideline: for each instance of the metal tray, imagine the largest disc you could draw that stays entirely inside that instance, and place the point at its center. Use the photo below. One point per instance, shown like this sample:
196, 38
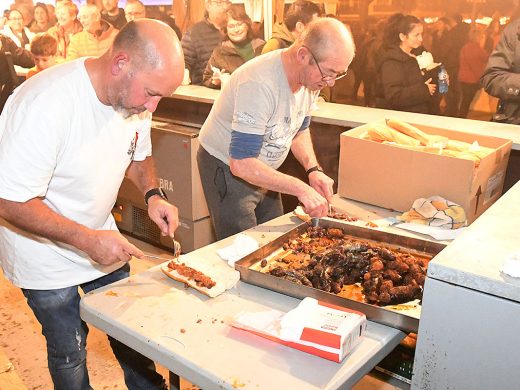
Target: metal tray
396, 316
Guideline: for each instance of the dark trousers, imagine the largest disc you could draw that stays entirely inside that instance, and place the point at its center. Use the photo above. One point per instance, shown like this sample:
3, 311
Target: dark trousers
234, 205
66, 336
468, 92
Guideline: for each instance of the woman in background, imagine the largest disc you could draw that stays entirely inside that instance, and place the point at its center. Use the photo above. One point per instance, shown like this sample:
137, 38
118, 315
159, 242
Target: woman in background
16, 30
473, 61
401, 84
67, 26
41, 21
238, 47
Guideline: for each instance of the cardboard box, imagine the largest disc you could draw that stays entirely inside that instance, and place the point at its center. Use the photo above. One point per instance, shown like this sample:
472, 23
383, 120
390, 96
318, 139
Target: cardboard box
393, 177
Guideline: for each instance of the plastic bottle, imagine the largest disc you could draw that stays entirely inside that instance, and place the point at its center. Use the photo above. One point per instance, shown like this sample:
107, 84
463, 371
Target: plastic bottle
442, 84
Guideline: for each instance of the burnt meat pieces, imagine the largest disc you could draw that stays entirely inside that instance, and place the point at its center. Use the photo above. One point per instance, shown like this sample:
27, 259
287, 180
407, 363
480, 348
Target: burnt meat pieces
332, 260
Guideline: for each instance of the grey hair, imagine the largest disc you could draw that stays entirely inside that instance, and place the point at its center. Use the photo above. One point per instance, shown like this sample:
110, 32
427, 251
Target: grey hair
144, 51
324, 37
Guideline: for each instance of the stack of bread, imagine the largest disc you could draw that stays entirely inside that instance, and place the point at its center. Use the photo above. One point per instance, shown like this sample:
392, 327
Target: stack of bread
405, 135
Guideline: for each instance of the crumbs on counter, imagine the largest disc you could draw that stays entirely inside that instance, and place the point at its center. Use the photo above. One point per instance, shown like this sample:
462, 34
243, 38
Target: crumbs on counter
111, 293
183, 330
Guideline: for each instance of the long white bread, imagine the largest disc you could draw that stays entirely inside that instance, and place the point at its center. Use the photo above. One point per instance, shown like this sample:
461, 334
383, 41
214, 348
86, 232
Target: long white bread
224, 276
409, 130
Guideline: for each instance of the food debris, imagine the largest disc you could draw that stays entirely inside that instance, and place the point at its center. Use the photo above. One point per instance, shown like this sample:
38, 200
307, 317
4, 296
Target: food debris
199, 321
183, 330
236, 384
111, 294
263, 263
263, 236
371, 224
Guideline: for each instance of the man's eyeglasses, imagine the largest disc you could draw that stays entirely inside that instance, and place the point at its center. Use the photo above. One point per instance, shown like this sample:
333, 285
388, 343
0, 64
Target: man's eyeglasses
324, 77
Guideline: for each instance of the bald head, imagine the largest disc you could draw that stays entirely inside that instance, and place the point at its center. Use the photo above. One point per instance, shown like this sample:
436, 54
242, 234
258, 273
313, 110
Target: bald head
144, 64
153, 43
328, 38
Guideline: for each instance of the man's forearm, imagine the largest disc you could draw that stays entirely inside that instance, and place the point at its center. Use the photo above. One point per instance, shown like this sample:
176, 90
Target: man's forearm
303, 150
142, 173
259, 174
37, 218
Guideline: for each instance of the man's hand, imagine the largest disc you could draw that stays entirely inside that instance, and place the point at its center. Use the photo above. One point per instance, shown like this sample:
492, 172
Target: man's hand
313, 203
107, 247
322, 183
164, 214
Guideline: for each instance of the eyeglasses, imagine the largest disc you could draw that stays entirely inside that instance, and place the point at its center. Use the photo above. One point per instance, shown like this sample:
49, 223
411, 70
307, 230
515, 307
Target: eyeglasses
324, 77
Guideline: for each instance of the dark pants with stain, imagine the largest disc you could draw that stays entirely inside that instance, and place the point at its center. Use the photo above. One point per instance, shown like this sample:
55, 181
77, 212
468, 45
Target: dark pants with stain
234, 205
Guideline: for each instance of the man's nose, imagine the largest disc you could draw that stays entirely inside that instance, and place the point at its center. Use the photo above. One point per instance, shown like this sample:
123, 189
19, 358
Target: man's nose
151, 104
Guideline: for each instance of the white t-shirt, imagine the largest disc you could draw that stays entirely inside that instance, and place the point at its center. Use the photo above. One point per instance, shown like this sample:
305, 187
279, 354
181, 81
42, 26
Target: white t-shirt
60, 143
257, 100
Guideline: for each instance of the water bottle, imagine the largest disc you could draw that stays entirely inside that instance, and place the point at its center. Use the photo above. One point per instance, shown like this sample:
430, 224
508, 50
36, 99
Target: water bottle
442, 84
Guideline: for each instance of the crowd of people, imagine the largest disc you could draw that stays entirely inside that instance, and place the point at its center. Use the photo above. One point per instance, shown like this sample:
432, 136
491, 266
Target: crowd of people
87, 30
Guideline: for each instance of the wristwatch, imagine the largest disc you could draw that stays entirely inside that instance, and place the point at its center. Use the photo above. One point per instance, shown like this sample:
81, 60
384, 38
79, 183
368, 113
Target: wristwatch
154, 191
313, 169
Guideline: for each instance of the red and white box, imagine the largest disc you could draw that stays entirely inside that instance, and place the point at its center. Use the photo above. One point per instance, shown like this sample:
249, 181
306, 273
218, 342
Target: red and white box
315, 327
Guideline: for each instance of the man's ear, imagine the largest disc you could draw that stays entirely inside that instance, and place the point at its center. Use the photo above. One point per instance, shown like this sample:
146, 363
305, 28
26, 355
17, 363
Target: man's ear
118, 63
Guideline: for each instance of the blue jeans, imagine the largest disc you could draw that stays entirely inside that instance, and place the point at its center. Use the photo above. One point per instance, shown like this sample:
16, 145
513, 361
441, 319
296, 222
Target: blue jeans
66, 335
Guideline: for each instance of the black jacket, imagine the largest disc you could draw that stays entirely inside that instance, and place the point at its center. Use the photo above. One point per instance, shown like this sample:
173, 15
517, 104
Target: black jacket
21, 56
198, 44
400, 82
502, 75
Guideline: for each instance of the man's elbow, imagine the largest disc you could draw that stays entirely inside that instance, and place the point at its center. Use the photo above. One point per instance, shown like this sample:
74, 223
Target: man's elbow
236, 167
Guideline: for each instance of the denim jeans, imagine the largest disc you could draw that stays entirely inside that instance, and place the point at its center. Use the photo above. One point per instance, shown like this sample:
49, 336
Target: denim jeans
66, 335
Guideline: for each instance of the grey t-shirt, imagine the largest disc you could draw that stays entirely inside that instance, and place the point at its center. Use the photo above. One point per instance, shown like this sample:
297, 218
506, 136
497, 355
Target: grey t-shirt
257, 99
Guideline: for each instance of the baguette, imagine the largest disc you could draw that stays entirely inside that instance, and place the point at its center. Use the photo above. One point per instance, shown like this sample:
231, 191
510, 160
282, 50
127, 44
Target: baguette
209, 279
409, 130
383, 133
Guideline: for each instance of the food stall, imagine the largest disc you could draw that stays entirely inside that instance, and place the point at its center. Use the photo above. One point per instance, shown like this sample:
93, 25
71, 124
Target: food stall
184, 330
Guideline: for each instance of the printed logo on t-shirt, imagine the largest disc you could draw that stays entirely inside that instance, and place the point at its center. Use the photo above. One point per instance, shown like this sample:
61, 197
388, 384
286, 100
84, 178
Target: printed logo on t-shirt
245, 118
133, 145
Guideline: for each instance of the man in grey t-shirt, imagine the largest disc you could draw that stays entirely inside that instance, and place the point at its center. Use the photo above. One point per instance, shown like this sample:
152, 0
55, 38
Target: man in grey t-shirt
261, 114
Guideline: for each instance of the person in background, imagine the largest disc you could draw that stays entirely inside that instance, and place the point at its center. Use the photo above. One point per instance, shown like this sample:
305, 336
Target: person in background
67, 139
44, 49
52, 14
452, 43
66, 27
168, 17
238, 47
372, 52
473, 60
285, 33
41, 21
134, 10
261, 115
200, 40
401, 85
96, 37
113, 14
501, 76
16, 30
21, 57
501, 79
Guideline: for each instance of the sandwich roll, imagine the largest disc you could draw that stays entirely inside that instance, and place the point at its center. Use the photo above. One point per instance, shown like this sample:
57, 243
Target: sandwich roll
409, 130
